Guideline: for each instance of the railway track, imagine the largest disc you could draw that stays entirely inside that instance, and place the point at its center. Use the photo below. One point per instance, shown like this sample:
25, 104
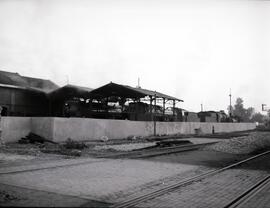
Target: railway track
243, 198
136, 200
155, 152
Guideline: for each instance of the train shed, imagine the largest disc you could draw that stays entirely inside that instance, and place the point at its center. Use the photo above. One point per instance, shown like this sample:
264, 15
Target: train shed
24, 96
69, 100
133, 103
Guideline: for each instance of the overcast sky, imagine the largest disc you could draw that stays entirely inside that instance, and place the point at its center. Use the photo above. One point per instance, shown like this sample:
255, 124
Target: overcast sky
193, 50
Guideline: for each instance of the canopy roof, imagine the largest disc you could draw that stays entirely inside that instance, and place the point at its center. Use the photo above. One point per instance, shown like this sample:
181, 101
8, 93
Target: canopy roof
113, 89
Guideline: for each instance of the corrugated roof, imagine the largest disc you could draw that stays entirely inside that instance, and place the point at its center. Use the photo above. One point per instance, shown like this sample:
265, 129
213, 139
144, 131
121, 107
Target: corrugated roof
113, 89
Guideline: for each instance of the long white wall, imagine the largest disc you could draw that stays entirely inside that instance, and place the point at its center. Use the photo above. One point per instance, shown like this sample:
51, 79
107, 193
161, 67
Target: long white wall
59, 129
90, 129
14, 128
43, 126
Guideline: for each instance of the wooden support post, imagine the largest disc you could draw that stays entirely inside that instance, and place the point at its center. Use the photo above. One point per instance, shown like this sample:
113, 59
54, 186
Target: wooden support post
107, 107
90, 108
122, 104
163, 106
173, 109
151, 113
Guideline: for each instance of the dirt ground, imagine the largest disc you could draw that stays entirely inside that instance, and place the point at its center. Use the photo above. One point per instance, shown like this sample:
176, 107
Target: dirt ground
18, 196
25, 154
12, 196
201, 157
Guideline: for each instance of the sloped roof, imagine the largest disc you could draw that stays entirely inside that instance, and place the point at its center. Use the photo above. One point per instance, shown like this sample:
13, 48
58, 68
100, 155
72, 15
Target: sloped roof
35, 90
153, 93
69, 91
113, 89
10, 78
44, 84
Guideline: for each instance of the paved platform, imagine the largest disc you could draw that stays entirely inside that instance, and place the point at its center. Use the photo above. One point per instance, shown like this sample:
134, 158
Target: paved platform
88, 181
92, 179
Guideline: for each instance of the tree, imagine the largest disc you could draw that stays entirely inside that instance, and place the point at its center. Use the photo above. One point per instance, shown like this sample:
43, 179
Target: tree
249, 114
258, 117
242, 113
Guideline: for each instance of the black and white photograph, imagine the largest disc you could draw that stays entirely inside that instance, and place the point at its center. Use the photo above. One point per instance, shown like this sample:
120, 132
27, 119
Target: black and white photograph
135, 103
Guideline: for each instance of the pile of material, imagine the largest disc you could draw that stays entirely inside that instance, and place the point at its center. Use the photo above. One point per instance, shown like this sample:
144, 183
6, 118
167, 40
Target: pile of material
69, 148
171, 143
4, 197
124, 147
254, 142
71, 144
14, 157
34, 138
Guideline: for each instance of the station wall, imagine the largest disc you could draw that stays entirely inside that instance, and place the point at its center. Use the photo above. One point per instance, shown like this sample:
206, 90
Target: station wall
14, 128
80, 129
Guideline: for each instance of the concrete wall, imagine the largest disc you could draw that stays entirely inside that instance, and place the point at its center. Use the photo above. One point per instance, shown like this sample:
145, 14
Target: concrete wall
59, 129
14, 128
89, 129
206, 128
43, 126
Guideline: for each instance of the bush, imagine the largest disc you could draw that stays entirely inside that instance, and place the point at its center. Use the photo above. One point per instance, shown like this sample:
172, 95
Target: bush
71, 144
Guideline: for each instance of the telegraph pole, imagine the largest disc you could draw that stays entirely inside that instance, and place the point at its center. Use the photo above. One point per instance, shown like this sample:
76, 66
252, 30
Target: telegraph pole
67, 79
138, 86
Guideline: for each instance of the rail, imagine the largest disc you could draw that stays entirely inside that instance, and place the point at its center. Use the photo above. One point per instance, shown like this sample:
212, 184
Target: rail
249, 194
139, 199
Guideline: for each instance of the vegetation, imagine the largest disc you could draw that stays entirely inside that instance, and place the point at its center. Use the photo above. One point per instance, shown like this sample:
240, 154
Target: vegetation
243, 114
71, 144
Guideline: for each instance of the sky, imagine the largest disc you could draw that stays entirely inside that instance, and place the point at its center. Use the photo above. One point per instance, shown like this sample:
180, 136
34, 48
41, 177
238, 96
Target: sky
194, 50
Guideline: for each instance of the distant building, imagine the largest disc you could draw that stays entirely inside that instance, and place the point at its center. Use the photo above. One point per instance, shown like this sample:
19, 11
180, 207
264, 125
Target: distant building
24, 96
70, 101
191, 117
27, 96
213, 116
15, 79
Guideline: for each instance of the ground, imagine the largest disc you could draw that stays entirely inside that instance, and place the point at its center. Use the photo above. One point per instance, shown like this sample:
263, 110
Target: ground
30, 177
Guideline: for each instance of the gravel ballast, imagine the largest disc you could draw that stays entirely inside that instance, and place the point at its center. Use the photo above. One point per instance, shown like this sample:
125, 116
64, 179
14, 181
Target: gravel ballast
254, 142
125, 147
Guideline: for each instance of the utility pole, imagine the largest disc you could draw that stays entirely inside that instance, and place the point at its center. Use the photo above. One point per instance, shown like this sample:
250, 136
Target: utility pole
67, 79
138, 83
230, 95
